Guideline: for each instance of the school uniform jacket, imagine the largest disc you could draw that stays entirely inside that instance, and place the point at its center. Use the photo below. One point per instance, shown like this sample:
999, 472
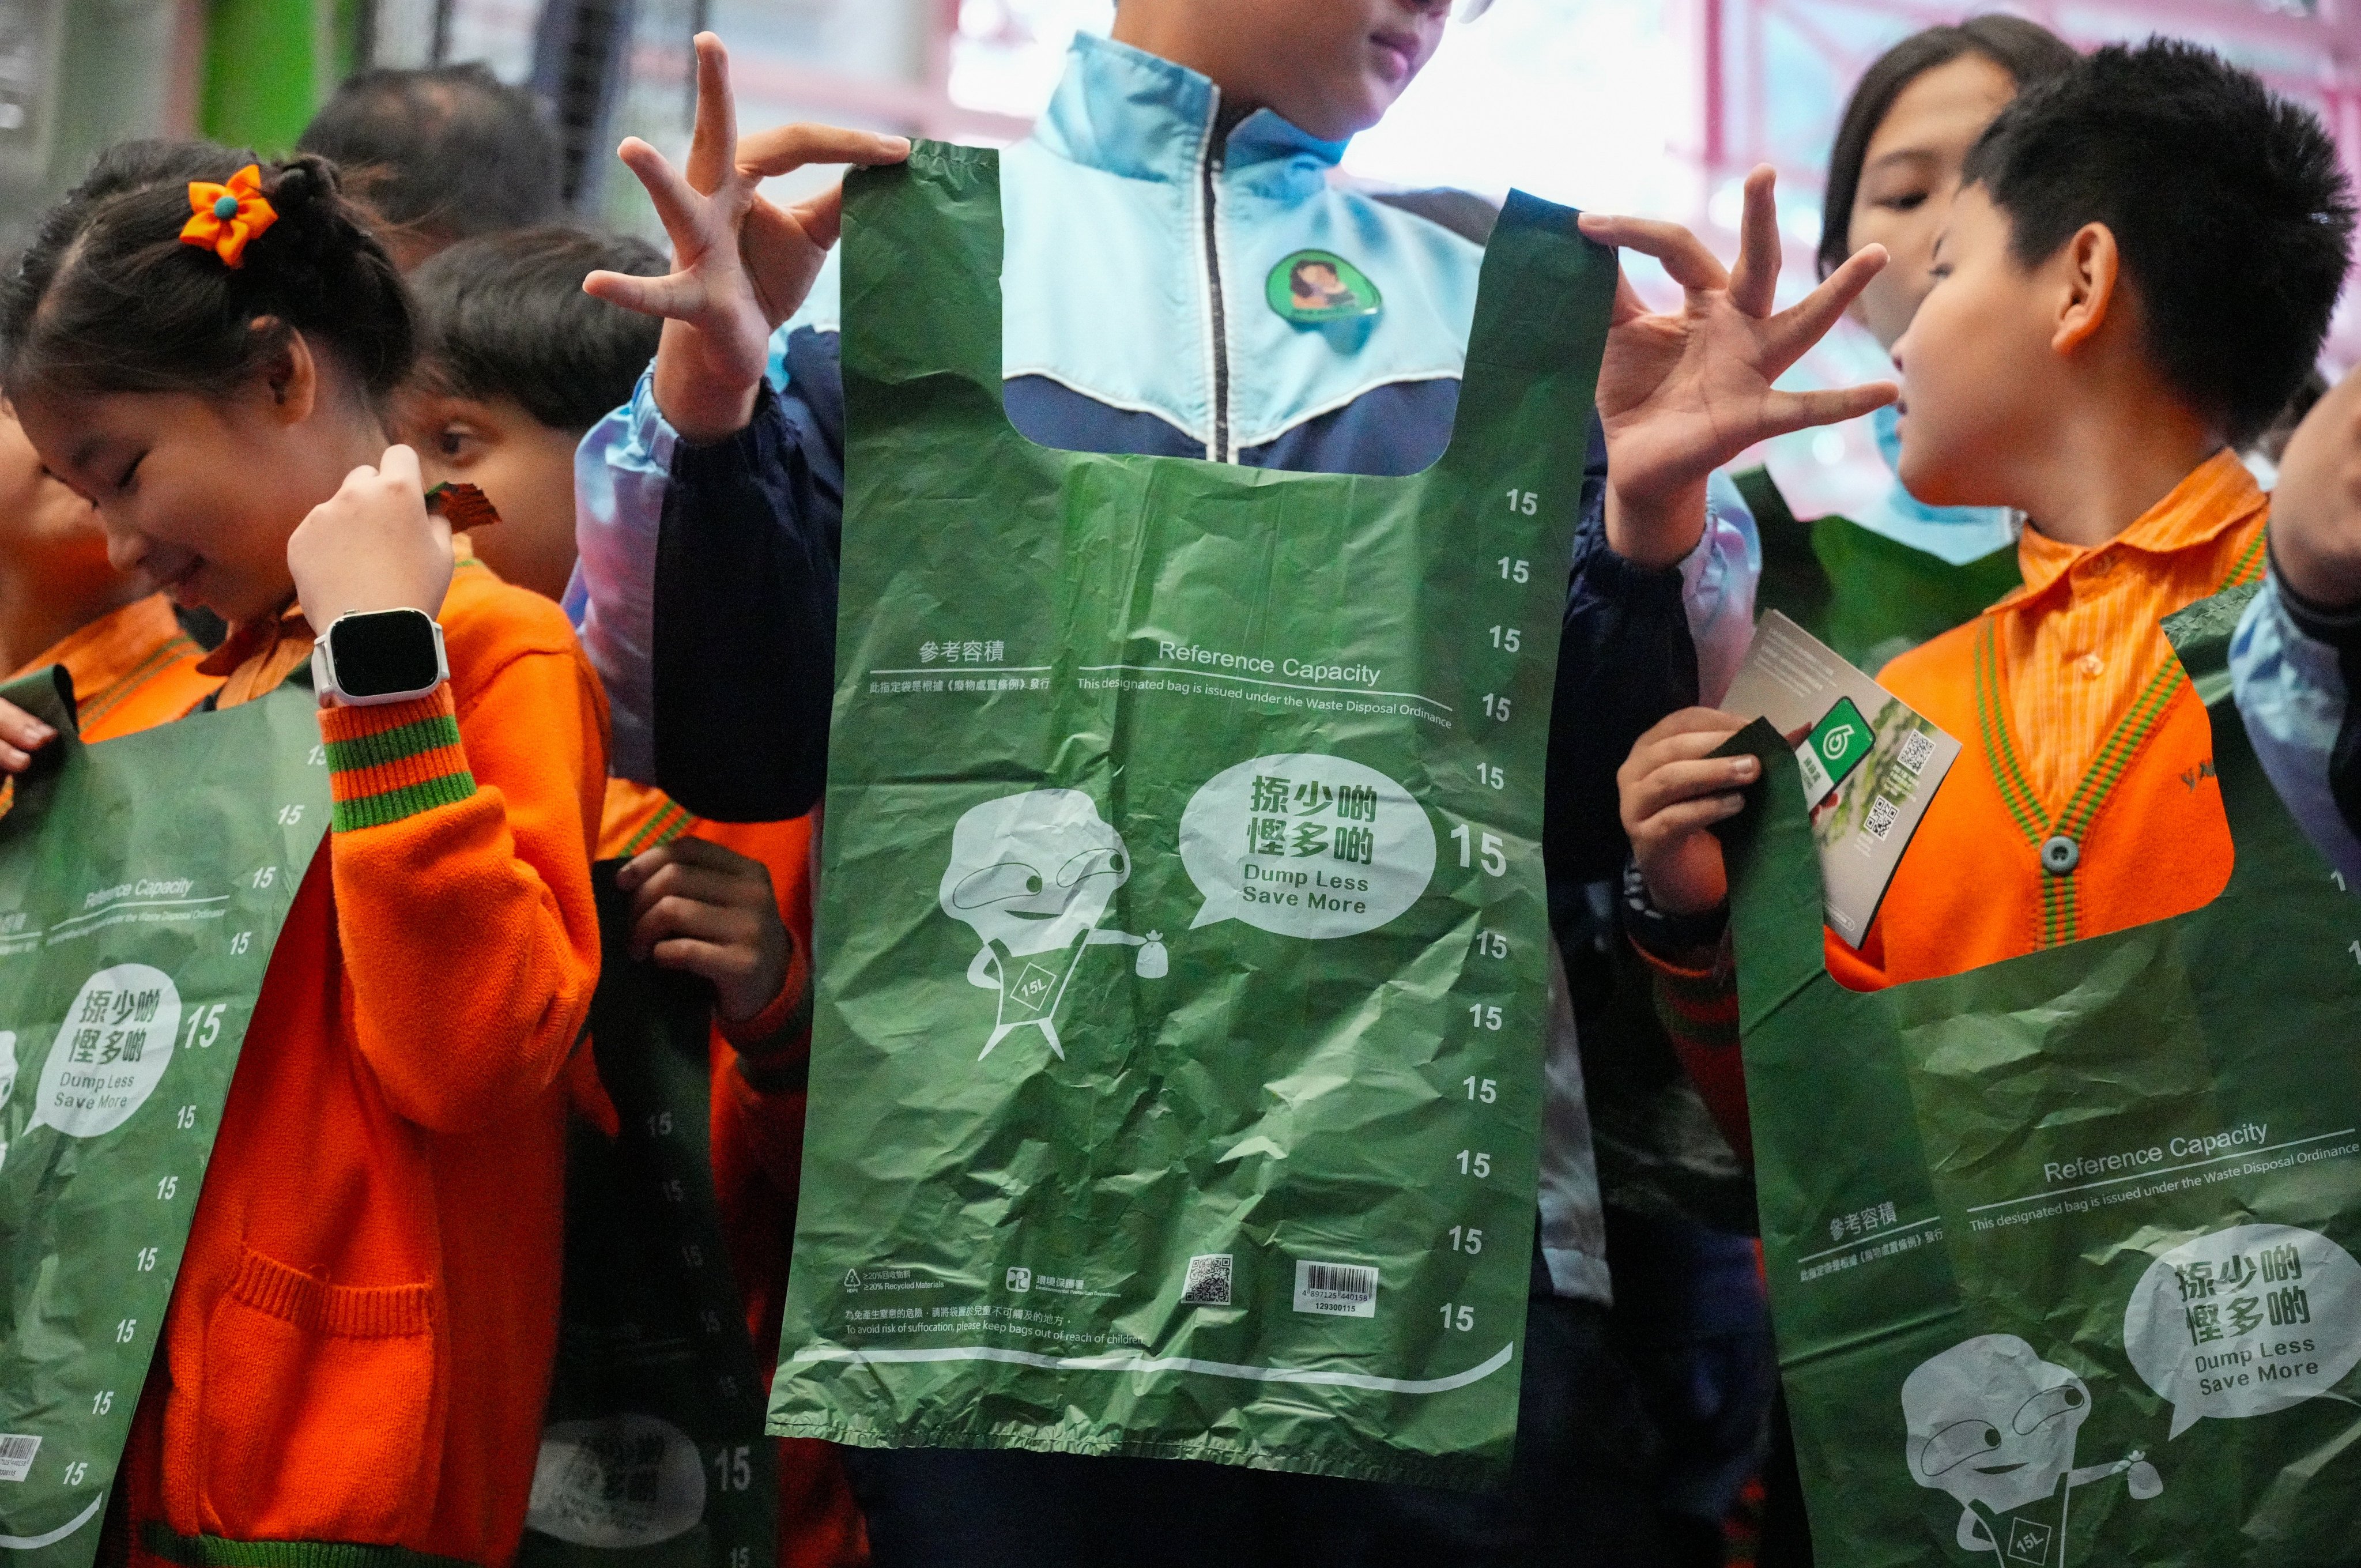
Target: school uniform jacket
1139, 243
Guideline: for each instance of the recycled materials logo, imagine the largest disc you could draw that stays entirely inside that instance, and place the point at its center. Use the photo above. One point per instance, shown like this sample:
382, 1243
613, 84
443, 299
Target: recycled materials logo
1838, 744
1310, 287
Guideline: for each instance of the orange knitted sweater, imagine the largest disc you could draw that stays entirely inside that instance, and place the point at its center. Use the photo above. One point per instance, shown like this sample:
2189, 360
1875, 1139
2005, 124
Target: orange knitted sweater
361, 1333
2130, 787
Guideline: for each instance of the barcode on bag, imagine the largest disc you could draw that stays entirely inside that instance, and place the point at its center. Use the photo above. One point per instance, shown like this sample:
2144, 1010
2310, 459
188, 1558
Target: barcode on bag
1339, 1290
1208, 1282
16, 1451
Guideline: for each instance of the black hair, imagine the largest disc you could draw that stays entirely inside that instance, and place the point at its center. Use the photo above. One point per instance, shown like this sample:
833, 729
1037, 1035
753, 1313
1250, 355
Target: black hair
2026, 51
2228, 205
108, 299
505, 316
442, 153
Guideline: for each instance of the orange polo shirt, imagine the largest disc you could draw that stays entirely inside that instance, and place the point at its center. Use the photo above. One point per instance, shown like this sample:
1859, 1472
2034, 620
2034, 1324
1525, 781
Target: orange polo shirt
360, 1337
131, 669
2078, 728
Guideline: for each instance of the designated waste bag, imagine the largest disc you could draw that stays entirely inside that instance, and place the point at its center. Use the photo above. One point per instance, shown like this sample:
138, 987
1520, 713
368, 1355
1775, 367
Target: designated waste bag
1179, 1056
143, 884
651, 1452
2060, 1249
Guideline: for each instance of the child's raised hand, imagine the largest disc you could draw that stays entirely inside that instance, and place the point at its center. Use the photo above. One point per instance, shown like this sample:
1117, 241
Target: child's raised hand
711, 911
742, 265
1671, 790
372, 545
21, 735
1681, 394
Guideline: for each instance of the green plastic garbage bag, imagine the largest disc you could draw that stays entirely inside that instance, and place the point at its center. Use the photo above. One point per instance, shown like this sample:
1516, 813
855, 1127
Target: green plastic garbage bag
651, 1452
2060, 1249
1177, 1074
143, 884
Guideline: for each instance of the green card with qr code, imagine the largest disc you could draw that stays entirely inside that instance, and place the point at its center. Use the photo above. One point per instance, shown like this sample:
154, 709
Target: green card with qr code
1836, 746
1870, 763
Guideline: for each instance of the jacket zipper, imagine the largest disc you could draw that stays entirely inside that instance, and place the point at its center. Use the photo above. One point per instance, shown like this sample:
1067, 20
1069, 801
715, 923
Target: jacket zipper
1209, 169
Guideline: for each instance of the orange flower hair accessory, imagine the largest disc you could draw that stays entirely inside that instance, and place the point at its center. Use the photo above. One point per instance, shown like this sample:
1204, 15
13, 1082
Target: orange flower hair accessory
227, 216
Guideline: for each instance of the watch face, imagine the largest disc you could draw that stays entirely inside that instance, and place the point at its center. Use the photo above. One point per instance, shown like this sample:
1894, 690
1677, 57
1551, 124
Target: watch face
392, 652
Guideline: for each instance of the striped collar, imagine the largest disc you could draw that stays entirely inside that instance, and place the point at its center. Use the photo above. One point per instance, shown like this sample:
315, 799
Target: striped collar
2218, 495
113, 648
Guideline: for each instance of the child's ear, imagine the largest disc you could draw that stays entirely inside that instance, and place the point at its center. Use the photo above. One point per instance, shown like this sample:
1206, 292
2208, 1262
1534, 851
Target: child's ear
2091, 268
291, 375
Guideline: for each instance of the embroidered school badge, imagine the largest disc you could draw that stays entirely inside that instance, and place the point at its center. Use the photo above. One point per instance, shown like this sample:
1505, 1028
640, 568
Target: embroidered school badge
1316, 286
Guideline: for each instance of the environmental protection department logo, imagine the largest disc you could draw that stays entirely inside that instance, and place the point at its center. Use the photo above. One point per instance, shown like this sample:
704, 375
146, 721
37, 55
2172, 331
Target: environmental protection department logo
1316, 286
1835, 747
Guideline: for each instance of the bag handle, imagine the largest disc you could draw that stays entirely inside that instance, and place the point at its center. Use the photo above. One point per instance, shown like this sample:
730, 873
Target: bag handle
1775, 896
922, 255
1543, 303
48, 695
2268, 844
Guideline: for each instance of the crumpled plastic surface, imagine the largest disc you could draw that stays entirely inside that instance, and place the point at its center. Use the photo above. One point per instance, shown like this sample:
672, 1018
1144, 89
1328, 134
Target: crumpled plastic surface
143, 884
651, 1450
1177, 1070
2059, 1249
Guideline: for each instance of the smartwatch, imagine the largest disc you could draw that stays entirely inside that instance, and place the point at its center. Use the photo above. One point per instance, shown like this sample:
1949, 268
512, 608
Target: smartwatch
369, 657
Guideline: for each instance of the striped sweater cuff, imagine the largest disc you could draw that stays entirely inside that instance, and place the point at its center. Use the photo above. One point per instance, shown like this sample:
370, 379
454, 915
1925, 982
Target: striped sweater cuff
394, 760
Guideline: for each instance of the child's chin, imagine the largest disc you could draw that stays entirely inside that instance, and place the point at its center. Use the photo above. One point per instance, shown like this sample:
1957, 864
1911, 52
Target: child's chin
1937, 484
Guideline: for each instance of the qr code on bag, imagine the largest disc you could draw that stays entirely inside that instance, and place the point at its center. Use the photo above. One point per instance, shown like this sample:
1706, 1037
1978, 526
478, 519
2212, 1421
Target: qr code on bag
1208, 1284
1882, 813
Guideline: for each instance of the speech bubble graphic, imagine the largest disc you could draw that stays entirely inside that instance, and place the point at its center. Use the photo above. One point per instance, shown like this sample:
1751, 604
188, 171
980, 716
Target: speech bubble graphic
111, 1053
2244, 1321
1300, 844
616, 1483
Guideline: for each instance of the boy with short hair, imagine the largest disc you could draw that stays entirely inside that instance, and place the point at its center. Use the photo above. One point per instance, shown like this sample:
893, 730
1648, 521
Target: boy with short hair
517, 362
1179, 170
2139, 270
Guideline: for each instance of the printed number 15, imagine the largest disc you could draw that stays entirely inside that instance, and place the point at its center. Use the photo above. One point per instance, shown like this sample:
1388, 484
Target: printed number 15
1496, 860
